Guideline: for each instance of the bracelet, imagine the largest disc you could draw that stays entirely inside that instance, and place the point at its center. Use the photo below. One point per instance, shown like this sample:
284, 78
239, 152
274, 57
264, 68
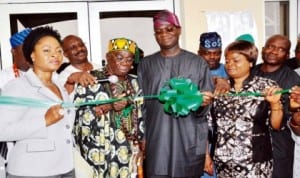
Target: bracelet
277, 109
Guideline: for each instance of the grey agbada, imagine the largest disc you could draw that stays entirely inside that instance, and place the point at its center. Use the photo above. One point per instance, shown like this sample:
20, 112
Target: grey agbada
174, 146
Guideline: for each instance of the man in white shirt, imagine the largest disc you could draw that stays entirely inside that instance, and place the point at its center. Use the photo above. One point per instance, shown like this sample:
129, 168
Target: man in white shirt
77, 54
20, 66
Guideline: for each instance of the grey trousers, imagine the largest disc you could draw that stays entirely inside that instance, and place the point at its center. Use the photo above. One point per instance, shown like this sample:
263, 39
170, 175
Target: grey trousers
70, 174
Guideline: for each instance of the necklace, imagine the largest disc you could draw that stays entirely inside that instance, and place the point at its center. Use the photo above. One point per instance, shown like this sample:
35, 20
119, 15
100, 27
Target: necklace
126, 119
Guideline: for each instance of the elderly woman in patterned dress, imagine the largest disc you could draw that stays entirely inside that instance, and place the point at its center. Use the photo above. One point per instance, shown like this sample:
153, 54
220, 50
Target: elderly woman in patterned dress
243, 120
109, 135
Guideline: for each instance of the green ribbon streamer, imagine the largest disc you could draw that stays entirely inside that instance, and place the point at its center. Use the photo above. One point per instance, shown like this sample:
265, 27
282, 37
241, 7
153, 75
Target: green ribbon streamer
247, 94
179, 95
19, 101
95, 102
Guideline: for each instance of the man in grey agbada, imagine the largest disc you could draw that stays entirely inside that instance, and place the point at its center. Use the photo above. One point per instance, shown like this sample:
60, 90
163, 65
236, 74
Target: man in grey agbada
175, 146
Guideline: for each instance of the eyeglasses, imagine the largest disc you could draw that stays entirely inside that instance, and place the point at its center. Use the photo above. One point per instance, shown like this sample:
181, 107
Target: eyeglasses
168, 29
279, 49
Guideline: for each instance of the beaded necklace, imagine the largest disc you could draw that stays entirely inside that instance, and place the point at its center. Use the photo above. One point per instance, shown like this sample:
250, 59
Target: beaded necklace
127, 118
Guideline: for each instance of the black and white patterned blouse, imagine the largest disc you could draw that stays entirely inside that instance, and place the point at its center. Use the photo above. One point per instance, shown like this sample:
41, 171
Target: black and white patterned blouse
243, 146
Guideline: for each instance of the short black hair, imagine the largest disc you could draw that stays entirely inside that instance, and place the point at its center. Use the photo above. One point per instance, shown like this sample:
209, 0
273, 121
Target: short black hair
34, 36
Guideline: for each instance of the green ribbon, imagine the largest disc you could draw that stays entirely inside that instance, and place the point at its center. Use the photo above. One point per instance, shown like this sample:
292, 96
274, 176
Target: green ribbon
180, 96
19, 101
247, 94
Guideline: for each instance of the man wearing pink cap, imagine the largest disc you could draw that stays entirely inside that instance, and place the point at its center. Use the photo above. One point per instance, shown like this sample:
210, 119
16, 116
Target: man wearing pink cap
175, 145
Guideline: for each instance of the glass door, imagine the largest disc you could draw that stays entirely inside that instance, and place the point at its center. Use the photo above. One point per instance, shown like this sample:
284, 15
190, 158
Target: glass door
67, 18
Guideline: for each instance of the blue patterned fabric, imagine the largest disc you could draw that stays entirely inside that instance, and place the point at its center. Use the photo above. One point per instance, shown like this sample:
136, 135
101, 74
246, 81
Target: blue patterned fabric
18, 38
210, 40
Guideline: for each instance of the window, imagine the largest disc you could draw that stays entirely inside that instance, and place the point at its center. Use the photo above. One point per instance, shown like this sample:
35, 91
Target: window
282, 17
276, 18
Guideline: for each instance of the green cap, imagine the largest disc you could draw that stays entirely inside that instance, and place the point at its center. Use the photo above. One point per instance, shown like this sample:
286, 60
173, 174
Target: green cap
245, 37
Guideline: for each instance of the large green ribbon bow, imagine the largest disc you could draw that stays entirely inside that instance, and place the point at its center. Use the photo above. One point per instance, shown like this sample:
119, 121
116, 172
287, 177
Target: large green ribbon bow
180, 96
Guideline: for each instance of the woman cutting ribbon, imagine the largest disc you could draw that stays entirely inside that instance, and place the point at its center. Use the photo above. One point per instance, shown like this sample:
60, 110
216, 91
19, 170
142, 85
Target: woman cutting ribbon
243, 146
42, 136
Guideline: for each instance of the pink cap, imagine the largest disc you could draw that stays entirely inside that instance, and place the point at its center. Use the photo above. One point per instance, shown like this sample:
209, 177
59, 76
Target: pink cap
165, 17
